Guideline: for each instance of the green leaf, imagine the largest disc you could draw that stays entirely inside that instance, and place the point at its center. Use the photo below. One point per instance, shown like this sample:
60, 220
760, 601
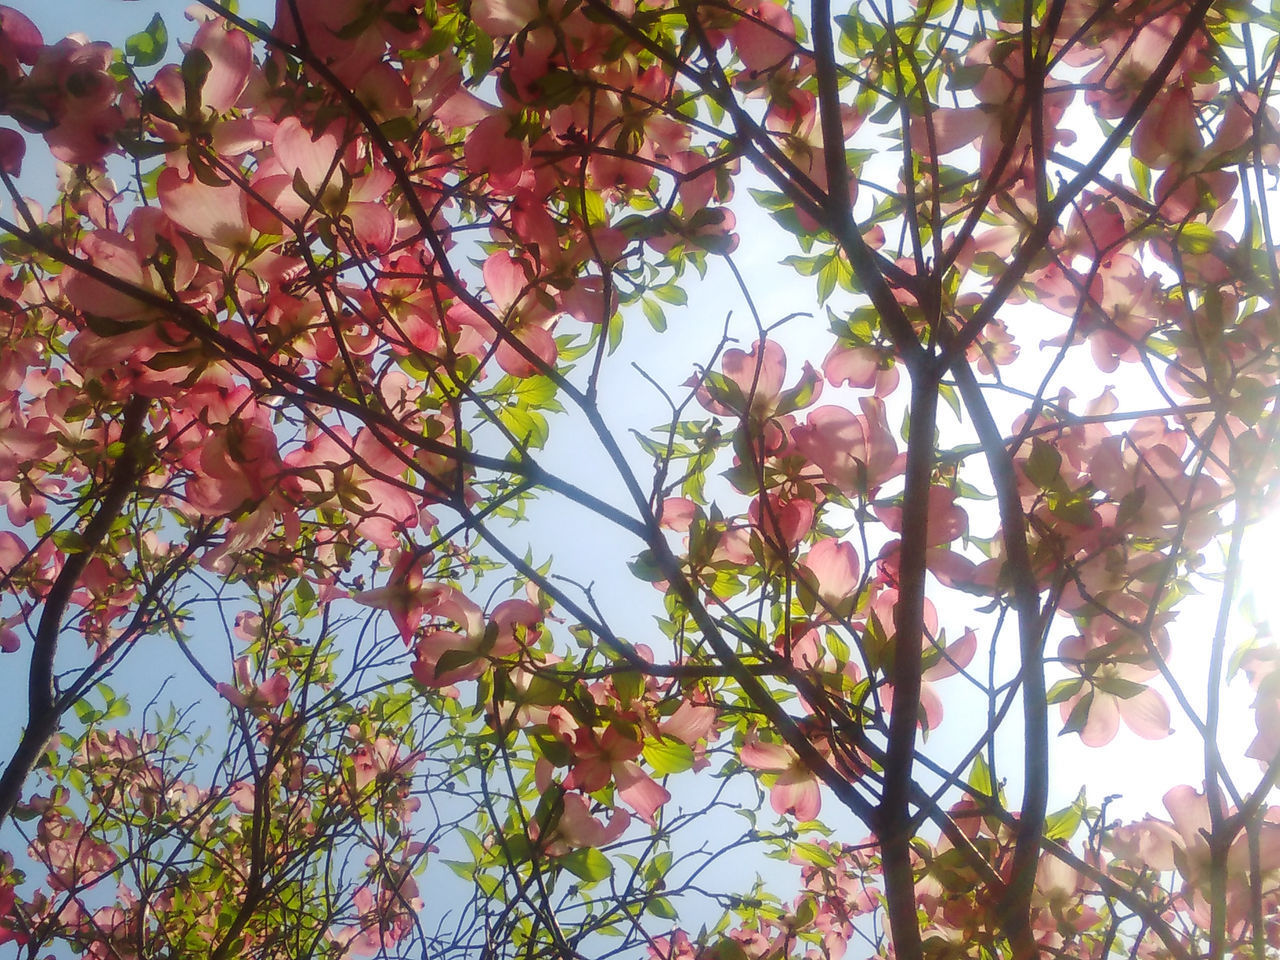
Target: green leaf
1065, 689
668, 755
628, 685
952, 397
729, 949
452, 660
615, 332
1079, 715
1074, 510
799, 396
980, 777
1119, 687
828, 276
814, 854
528, 425
147, 48
68, 541
770, 200
1043, 465
1196, 238
517, 848
653, 313
195, 68
539, 392
670, 293
1141, 176
1063, 824
645, 566
399, 128
116, 706
481, 55
851, 40
662, 907
805, 266
555, 750
1130, 504
590, 865
306, 596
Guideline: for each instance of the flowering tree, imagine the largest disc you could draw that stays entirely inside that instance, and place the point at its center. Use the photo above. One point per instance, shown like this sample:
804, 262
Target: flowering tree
323, 308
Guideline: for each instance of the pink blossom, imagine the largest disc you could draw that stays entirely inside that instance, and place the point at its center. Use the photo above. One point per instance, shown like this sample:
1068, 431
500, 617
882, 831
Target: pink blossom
407, 595
795, 787
578, 827
834, 568
247, 694
601, 758
852, 451
1114, 685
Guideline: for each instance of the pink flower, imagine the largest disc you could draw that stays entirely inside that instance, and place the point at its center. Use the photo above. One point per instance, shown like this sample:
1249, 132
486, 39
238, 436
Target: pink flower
599, 758
674, 947
407, 596
1184, 845
218, 215
853, 452
764, 37
751, 385
1112, 687
73, 100
503, 18
833, 574
578, 827
946, 521
378, 758
331, 180
72, 855
795, 787
512, 626
246, 694
861, 367
9, 639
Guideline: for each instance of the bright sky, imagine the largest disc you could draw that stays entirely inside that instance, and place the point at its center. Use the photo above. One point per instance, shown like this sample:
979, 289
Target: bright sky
114, 20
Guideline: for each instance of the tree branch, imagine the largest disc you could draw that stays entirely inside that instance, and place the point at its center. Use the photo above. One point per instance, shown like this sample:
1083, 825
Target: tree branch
43, 711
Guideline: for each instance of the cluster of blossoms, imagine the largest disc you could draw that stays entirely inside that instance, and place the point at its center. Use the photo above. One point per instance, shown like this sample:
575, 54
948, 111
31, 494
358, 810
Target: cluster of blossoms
309, 307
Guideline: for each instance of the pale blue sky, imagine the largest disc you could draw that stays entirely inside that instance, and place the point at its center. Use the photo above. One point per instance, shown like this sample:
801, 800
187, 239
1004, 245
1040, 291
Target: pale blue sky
111, 20
114, 20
